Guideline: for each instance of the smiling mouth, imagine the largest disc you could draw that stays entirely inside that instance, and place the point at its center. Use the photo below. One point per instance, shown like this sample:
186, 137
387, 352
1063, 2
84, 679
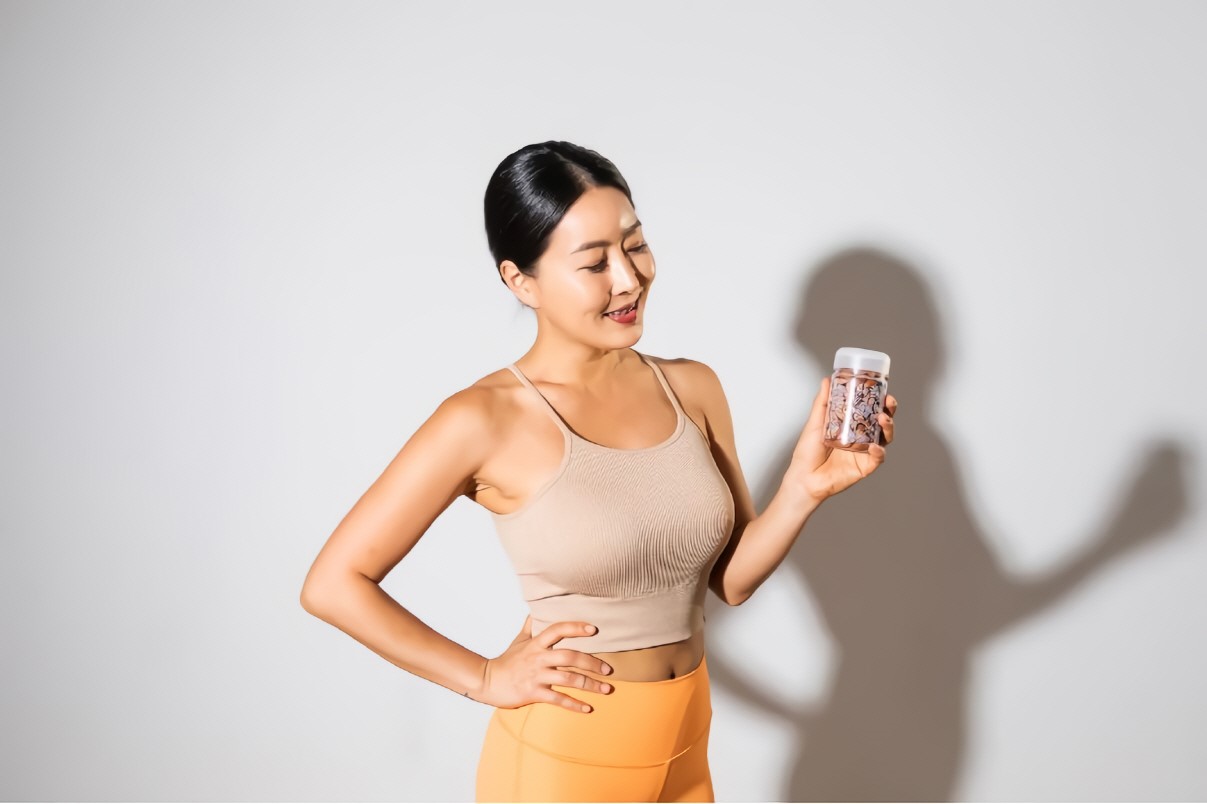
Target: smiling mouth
624, 310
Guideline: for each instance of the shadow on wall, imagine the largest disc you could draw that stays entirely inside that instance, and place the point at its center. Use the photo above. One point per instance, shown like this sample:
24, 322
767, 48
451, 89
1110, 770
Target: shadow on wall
907, 587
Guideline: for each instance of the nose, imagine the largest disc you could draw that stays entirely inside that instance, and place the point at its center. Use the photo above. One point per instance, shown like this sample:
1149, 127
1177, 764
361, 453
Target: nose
624, 275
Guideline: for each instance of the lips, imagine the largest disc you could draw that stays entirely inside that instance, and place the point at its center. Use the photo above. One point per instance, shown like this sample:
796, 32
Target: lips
631, 305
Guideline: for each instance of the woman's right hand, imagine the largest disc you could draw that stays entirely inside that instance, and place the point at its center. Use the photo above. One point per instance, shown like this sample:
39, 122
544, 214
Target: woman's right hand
524, 673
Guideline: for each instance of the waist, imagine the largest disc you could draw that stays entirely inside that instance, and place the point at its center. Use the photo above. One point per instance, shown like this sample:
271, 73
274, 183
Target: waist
653, 664
638, 724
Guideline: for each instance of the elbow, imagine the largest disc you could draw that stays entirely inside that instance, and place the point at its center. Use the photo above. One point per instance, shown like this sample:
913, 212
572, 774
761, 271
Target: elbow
326, 592
309, 599
728, 597
317, 592
737, 599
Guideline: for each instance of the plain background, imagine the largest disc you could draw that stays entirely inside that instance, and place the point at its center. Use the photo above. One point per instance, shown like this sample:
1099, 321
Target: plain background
243, 260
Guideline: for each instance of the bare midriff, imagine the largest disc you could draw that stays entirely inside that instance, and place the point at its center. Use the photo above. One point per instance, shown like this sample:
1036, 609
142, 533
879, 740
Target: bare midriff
657, 663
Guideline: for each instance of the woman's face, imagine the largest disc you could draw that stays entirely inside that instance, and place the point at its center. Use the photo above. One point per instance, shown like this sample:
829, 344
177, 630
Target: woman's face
597, 260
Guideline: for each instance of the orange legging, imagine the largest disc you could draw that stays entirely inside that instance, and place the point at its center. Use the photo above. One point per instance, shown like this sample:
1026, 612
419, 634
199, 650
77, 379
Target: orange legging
643, 741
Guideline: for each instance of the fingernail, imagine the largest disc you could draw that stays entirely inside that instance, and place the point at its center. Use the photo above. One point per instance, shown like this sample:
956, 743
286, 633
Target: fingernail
607, 668
590, 629
607, 687
586, 708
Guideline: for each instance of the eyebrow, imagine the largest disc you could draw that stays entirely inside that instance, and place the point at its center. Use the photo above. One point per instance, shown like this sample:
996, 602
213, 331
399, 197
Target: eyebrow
598, 243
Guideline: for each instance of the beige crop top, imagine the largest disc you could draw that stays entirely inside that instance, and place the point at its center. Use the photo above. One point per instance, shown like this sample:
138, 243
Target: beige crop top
622, 538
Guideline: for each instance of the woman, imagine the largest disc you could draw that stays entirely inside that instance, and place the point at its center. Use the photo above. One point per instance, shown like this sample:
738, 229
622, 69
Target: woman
615, 529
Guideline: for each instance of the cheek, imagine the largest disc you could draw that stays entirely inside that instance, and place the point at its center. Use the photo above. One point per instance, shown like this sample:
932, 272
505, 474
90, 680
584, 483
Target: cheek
588, 294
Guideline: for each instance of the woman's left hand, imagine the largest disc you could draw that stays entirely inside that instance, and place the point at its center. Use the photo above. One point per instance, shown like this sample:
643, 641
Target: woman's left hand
820, 471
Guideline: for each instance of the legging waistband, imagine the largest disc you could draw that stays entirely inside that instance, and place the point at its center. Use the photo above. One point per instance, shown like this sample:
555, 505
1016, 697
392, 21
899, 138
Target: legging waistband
637, 724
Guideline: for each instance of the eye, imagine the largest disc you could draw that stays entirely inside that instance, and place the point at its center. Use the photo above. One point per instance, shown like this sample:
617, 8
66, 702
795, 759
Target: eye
598, 267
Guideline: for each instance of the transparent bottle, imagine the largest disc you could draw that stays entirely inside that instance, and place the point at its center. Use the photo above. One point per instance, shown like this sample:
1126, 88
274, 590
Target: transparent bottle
858, 388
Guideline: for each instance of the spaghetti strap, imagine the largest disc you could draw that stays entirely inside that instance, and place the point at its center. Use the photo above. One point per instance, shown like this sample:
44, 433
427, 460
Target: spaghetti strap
665, 385
552, 411
680, 417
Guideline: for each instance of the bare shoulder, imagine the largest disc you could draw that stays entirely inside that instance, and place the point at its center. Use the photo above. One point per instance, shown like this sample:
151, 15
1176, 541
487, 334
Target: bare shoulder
471, 415
696, 378
488, 410
478, 408
698, 388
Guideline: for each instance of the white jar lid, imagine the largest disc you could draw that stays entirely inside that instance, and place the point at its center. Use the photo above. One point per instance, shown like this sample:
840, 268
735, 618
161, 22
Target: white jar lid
857, 359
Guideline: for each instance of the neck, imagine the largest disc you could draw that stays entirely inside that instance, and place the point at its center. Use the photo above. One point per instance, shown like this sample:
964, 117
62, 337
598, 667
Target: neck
576, 365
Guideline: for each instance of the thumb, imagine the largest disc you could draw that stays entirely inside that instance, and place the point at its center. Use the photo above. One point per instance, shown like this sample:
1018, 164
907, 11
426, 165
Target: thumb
810, 448
821, 403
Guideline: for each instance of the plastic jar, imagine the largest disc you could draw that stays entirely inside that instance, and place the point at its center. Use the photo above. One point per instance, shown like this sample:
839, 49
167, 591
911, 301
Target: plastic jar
858, 388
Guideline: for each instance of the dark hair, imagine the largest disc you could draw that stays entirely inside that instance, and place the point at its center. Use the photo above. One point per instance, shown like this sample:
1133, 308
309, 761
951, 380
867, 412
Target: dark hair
530, 191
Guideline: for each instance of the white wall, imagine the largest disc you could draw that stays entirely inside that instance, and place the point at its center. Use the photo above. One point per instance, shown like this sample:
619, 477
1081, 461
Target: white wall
243, 260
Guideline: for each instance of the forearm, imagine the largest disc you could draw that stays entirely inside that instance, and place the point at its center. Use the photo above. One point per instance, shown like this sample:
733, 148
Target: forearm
362, 609
763, 543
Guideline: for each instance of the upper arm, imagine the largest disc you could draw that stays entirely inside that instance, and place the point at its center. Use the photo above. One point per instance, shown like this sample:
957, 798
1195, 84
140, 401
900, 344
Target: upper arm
435, 466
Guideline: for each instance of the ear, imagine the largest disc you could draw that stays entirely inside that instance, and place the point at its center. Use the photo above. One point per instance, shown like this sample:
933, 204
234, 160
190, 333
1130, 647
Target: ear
523, 286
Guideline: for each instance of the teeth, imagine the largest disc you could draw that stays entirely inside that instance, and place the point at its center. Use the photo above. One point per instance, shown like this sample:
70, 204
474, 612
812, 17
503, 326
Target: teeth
623, 310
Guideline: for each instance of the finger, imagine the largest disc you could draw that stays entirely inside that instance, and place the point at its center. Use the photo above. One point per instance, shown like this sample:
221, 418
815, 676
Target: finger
569, 678
822, 400
561, 630
816, 422
561, 699
890, 404
565, 657
886, 428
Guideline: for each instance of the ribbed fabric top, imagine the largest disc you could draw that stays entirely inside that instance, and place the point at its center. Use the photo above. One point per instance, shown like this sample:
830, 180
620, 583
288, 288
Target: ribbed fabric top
622, 538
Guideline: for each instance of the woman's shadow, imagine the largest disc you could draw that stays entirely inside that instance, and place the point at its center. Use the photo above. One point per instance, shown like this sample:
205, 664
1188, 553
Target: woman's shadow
897, 565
